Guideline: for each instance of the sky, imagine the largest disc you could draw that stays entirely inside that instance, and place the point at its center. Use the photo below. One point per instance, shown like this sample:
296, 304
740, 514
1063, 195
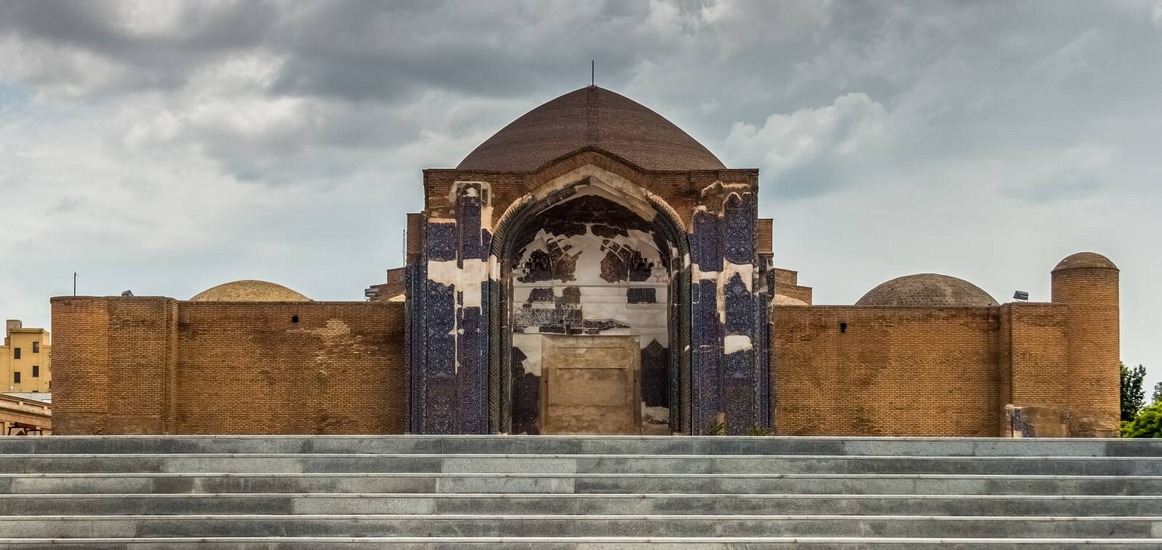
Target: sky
166, 147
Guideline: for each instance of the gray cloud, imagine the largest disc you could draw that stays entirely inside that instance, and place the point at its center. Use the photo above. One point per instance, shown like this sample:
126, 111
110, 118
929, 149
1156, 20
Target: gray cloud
154, 45
1077, 173
167, 147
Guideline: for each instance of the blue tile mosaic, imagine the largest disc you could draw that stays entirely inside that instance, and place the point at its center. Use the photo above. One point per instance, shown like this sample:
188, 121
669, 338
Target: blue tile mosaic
440, 242
739, 307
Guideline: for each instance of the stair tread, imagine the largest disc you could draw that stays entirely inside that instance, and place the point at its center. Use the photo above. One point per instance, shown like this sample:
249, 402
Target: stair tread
595, 496
536, 539
572, 517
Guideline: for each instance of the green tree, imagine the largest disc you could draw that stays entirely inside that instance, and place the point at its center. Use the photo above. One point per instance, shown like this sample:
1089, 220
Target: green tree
1148, 423
1133, 395
1158, 392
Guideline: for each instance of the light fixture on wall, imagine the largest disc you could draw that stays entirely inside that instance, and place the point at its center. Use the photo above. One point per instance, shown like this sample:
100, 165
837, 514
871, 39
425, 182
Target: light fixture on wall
1021, 295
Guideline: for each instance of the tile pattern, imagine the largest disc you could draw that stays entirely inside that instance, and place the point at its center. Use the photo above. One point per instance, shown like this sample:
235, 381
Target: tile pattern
728, 354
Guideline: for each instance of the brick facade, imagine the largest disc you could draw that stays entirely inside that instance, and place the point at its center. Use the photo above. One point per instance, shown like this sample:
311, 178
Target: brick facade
846, 370
158, 365
1017, 369
591, 216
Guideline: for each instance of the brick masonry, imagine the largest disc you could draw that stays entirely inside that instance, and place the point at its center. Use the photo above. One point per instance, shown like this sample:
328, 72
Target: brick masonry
1018, 369
158, 365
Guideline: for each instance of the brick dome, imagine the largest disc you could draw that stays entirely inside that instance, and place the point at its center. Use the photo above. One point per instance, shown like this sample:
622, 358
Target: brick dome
1084, 260
927, 290
249, 291
591, 117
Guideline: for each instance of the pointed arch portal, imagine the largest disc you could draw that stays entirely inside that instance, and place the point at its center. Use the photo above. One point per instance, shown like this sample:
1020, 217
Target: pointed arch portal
590, 308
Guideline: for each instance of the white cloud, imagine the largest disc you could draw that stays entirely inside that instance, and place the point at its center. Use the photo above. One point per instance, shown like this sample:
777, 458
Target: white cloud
804, 153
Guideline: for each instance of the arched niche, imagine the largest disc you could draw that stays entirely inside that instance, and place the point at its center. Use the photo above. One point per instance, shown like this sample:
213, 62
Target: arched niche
586, 259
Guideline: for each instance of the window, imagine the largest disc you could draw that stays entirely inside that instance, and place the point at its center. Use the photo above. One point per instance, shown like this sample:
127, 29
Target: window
36, 347
16, 353
16, 378
36, 371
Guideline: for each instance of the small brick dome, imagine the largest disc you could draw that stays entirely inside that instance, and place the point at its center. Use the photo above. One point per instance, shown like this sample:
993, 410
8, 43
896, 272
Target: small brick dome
1085, 260
927, 290
591, 117
249, 291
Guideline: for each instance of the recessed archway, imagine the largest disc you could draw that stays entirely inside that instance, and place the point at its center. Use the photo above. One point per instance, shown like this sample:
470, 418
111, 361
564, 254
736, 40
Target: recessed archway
586, 261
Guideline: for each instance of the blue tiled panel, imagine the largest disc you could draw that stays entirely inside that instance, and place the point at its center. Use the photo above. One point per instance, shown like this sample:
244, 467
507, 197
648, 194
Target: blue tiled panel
739, 307
468, 220
737, 367
705, 243
473, 413
738, 391
414, 277
655, 384
738, 229
439, 318
705, 328
740, 417
485, 244
440, 242
705, 382
440, 405
764, 388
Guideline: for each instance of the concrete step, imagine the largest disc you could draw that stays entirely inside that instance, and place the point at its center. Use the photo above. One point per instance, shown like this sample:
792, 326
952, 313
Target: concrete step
574, 543
627, 504
444, 483
668, 464
492, 525
629, 445
576, 492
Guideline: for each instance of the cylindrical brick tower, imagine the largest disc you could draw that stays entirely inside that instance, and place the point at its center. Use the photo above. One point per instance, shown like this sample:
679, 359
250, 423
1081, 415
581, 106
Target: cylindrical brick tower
1088, 284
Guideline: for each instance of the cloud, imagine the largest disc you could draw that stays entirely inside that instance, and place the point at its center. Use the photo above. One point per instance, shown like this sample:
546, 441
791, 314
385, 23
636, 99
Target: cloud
169, 146
86, 48
812, 151
1077, 173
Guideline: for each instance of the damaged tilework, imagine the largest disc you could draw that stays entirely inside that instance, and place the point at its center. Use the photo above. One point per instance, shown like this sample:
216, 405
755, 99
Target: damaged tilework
589, 267
449, 368
728, 314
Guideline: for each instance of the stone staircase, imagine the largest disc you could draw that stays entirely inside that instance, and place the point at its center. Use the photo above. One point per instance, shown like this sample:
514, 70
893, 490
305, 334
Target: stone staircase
306, 492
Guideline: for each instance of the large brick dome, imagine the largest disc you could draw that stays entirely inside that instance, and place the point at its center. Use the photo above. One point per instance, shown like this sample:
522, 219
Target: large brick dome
249, 291
927, 290
591, 117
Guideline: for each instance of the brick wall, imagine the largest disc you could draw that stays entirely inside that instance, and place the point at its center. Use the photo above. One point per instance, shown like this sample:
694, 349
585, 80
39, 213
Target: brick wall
156, 365
680, 190
115, 358
1034, 363
885, 371
249, 368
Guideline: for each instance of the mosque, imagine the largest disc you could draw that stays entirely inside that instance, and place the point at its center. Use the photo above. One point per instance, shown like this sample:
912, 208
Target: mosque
591, 268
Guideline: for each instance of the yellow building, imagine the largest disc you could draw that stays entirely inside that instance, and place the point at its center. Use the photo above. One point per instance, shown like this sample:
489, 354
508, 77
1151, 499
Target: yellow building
25, 365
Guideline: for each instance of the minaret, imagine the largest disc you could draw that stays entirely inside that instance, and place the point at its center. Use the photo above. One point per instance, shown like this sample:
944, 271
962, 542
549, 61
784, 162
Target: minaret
1088, 284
